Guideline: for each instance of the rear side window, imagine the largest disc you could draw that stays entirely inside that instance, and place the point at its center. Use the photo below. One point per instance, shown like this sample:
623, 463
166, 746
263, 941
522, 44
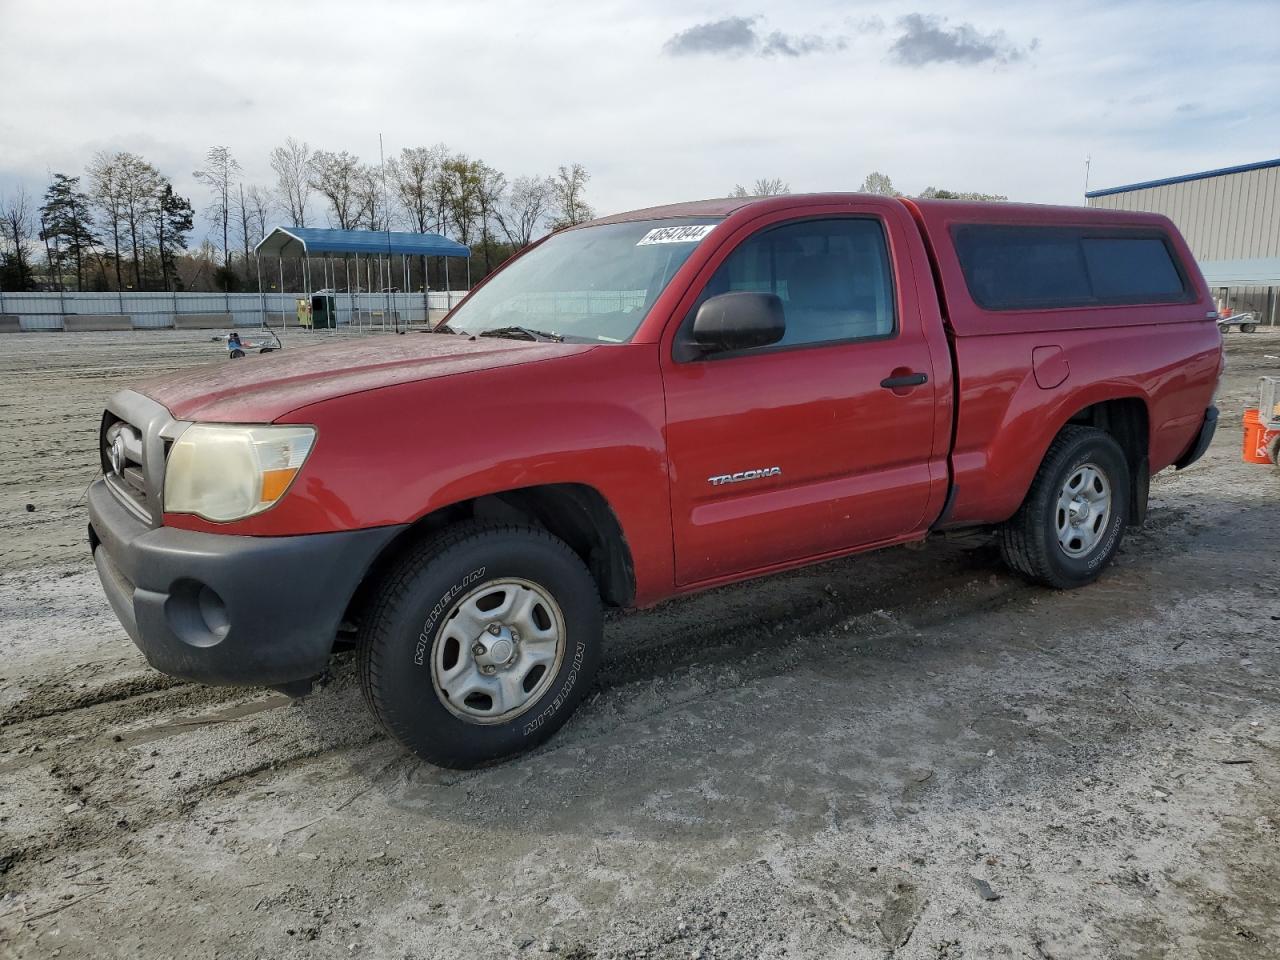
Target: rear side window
1039, 268
1124, 269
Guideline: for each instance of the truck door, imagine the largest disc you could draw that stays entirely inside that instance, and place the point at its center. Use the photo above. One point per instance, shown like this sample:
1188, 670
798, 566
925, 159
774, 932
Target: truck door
817, 444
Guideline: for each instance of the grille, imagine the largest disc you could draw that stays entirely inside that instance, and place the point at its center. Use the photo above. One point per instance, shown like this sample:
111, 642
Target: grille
123, 464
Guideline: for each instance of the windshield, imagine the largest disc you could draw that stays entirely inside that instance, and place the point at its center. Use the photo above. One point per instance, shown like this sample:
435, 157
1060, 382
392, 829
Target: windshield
594, 284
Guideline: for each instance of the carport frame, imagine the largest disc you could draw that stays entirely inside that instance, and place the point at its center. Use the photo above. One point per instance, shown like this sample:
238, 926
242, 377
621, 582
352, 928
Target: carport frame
306, 242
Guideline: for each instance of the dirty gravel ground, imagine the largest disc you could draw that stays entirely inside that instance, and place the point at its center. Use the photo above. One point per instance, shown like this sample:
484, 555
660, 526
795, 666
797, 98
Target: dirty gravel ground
906, 754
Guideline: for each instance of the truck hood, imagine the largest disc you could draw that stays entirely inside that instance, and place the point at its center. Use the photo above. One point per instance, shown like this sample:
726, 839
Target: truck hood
261, 388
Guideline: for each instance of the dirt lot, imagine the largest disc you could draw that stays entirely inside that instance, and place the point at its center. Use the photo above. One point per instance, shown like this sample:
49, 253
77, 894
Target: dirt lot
907, 754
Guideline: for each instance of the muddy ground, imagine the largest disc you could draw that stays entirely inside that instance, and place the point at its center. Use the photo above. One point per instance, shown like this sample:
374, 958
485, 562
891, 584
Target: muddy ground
907, 754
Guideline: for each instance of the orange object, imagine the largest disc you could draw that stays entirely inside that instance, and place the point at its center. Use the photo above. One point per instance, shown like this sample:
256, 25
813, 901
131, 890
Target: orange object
1256, 438
275, 483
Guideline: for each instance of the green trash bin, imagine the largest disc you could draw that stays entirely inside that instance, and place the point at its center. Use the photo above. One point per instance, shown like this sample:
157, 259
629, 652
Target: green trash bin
324, 311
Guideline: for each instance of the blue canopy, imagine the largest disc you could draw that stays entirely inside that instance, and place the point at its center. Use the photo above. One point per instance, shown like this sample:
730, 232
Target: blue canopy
310, 242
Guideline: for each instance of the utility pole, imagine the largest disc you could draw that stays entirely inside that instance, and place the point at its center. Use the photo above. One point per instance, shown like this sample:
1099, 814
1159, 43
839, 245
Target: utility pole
1088, 160
386, 213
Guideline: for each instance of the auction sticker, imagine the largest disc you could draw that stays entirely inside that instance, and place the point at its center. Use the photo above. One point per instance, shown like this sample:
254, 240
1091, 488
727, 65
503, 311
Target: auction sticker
690, 233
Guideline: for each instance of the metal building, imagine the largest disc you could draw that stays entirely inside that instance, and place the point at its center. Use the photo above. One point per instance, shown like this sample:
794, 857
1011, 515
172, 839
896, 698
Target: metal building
1231, 219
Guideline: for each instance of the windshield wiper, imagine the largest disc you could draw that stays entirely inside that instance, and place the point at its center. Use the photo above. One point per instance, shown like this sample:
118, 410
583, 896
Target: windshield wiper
522, 333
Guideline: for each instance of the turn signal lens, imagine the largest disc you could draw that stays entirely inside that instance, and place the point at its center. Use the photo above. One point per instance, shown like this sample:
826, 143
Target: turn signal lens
222, 472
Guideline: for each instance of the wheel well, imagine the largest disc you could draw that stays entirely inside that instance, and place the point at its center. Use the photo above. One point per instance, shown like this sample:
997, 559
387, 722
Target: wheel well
1127, 420
577, 514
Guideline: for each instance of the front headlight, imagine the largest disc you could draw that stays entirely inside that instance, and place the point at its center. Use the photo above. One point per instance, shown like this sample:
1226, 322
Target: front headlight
222, 472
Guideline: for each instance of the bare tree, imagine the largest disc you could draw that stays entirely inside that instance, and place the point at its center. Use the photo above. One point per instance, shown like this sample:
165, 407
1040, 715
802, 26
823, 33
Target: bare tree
292, 164
220, 175
491, 184
372, 192
763, 187
261, 206
337, 177
139, 190
525, 209
568, 186
413, 175
105, 191
440, 191
17, 227
247, 224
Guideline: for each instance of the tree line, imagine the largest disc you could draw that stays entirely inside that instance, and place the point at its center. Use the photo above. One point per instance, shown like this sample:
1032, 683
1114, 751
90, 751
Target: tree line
874, 182
121, 225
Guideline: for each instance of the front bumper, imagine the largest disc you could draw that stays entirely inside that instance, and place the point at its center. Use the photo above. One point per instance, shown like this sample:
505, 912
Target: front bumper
218, 609
1203, 439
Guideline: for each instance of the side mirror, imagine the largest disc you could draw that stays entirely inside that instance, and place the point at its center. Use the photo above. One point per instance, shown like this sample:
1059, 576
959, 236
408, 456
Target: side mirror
739, 321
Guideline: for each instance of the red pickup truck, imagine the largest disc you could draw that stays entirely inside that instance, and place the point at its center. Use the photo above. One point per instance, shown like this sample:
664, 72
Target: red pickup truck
648, 405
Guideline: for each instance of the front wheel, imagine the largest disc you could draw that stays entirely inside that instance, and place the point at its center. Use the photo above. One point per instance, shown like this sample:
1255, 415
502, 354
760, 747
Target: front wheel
480, 643
1070, 525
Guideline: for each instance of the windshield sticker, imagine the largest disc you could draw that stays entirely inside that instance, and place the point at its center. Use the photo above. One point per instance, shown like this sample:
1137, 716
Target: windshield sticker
687, 234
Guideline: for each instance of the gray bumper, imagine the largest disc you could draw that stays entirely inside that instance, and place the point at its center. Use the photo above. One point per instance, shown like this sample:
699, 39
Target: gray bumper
220, 609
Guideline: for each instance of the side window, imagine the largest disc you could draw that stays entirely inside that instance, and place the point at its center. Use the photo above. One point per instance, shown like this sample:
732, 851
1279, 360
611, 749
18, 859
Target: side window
1032, 268
1020, 267
1131, 269
832, 276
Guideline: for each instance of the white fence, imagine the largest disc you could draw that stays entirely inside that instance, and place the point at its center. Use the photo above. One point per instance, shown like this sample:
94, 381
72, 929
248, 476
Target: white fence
47, 311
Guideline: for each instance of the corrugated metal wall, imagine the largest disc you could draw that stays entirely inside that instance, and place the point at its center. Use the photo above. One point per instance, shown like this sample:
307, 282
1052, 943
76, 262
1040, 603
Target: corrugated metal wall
1227, 217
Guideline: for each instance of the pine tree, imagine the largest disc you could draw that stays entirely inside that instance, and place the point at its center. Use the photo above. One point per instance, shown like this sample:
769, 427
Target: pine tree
174, 219
67, 228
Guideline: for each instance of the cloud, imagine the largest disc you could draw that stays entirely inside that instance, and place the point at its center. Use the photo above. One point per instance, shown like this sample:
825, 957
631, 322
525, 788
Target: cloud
928, 39
732, 35
738, 36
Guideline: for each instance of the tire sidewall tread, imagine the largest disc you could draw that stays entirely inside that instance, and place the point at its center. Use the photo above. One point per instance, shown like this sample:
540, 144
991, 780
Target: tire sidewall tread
1028, 541
398, 632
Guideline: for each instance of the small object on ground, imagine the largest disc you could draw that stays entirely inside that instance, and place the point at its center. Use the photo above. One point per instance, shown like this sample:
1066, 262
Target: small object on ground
1240, 760
1258, 437
984, 890
31, 508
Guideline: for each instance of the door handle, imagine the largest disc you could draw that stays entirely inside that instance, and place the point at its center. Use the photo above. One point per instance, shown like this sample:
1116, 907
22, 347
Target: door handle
904, 380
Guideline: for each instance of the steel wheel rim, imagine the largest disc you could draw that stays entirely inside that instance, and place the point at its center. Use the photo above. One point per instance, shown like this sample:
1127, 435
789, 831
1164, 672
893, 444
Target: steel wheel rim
1083, 510
497, 650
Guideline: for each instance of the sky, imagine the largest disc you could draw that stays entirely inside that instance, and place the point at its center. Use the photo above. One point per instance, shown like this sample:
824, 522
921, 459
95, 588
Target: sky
661, 100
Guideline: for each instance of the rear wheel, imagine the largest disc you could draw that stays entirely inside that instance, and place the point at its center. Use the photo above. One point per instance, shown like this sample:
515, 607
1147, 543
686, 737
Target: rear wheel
1248, 327
480, 643
1070, 525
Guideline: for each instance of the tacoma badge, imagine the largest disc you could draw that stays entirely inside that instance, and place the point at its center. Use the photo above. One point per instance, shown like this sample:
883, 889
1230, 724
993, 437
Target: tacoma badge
744, 475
